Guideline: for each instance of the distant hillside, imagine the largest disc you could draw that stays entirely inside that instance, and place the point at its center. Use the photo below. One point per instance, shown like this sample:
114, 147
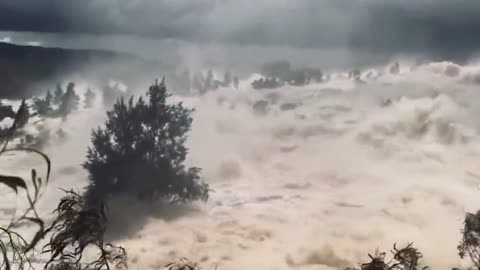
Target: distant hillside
23, 68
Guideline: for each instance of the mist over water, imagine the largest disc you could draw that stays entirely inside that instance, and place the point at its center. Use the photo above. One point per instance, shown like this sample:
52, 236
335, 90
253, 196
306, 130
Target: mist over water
315, 184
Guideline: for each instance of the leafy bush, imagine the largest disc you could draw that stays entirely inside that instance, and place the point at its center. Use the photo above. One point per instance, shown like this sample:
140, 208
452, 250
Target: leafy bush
470, 243
141, 151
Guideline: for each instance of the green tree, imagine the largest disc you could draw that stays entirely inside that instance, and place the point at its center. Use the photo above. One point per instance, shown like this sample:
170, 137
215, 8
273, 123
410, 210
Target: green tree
141, 151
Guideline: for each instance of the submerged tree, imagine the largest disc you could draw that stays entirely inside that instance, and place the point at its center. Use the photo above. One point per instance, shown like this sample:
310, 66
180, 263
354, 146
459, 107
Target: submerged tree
42, 106
89, 98
58, 95
141, 150
227, 79
49, 98
185, 81
70, 101
209, 81
6, 111
199, 82
236, 82
22, 116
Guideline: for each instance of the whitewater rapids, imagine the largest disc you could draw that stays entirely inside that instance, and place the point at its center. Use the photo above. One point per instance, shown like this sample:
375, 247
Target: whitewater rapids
314, 184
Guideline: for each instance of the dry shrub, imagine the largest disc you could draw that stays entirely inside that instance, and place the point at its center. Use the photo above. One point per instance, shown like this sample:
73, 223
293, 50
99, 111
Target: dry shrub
182, 264
406, 258
76, 228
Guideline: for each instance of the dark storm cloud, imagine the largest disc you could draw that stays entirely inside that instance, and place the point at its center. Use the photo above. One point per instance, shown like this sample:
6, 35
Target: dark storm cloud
408, 25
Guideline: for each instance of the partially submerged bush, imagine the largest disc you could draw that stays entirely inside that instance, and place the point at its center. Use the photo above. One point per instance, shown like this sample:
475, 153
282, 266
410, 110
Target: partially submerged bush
43, 106
260, 107
141, 151
182, 264
406, 258
61, 104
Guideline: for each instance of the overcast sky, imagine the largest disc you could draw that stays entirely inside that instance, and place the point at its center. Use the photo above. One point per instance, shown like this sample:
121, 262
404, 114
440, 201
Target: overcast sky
434, 26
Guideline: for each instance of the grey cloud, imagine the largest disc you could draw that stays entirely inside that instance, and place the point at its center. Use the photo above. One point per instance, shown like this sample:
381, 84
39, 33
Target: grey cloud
441, 26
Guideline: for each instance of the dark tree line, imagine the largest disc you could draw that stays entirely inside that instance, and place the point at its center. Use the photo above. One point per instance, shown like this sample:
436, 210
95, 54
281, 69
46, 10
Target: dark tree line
279, 73
59, 104
203, 83
62, 102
